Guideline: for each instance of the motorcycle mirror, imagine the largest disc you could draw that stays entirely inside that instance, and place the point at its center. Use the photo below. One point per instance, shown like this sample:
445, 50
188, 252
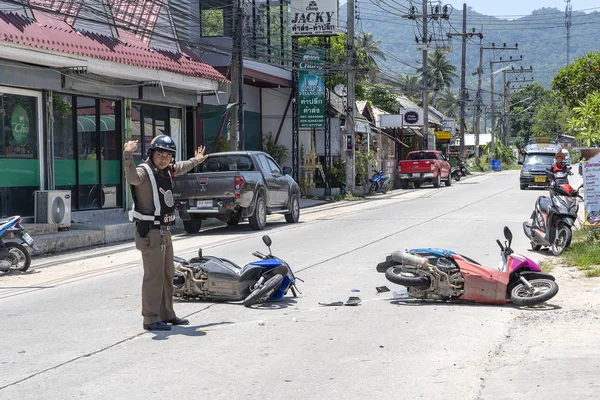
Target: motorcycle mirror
508, 235
267, 240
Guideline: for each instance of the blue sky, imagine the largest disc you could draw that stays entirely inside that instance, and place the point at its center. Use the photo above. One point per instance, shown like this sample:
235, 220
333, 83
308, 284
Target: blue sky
512, 8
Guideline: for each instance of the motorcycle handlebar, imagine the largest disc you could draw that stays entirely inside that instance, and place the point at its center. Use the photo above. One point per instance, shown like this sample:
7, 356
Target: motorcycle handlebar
500, 244
259, 255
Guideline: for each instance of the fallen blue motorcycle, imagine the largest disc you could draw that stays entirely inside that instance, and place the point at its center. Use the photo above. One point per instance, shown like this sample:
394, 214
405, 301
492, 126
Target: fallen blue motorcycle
379, 182
219, 279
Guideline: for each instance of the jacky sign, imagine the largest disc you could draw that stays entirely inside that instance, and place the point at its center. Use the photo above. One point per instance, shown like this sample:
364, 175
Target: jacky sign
314, 17
311, 89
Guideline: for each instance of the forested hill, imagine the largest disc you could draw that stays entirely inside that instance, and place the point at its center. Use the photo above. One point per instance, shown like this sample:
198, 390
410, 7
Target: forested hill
541, 38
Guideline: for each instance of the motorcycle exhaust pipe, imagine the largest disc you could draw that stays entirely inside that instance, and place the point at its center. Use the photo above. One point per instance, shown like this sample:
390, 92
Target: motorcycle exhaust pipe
410, 259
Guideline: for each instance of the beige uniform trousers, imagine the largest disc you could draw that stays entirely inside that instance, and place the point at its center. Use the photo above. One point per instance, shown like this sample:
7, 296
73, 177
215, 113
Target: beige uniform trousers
157, 285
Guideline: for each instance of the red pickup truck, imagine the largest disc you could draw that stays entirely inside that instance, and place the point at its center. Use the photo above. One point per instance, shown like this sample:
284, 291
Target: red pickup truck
424, 166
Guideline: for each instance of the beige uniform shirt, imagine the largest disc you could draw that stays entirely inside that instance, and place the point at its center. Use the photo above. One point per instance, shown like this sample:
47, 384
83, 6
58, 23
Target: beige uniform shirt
138, 177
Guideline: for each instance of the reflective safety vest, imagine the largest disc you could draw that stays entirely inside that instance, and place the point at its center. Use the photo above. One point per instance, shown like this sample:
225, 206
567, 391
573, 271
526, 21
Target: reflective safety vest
162, 194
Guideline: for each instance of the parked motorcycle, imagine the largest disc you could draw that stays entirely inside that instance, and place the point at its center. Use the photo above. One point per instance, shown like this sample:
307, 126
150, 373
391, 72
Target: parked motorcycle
553, 217
208, 277
455, 173
379, 182
445, 275
14, 255
463, 168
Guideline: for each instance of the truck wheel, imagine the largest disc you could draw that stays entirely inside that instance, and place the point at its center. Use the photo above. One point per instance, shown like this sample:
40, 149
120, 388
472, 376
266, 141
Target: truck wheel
437, 181
523, 187
193, 225
294, 214
448, 181
403, 184
258, 220
417, 185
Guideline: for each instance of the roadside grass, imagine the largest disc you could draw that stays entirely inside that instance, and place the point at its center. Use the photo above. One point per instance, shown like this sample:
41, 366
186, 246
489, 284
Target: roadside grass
546, 265
584, 252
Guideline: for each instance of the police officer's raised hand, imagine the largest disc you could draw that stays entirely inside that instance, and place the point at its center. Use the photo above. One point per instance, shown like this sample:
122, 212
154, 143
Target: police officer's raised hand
131, 146
199, 155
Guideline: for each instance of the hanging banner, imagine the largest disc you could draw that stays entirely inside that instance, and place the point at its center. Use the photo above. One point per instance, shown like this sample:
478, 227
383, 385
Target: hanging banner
314, 17
311, 89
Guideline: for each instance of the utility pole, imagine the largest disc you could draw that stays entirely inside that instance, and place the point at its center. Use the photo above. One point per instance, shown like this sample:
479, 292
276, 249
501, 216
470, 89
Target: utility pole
425, 93
480, 98
237, 80
463, 70
506, 108
478, 101
350, 154
492, 105
568, 13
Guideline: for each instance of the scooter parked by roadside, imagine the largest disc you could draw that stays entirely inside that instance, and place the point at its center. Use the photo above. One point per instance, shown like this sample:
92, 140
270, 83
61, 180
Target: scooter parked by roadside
380, 182
553, 217
219, 279
455, 173
445, 275
14, 256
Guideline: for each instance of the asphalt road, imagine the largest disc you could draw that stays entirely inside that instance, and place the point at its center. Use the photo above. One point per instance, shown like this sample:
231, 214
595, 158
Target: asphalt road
72, 326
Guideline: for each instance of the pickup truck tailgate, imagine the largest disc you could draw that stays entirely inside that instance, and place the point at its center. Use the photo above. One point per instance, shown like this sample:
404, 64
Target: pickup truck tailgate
409, 166
205, 186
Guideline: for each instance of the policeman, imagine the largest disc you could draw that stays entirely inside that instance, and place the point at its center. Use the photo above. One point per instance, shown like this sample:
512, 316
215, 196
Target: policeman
153, 213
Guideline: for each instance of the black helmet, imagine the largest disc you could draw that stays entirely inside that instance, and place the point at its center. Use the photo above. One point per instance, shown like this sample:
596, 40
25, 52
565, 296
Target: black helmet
162, 143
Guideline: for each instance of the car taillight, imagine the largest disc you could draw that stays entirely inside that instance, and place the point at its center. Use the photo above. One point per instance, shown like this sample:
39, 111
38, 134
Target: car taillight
399, 168
432, 166
239, 182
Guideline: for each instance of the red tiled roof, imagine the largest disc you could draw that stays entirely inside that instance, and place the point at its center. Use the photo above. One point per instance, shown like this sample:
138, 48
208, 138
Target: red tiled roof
50, 33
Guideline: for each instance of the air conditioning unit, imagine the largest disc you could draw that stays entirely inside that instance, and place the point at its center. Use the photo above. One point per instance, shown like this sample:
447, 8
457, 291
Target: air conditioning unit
53, 207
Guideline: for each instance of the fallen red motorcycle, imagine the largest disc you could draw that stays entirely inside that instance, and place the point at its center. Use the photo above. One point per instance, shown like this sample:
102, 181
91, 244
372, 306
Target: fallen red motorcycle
445, 275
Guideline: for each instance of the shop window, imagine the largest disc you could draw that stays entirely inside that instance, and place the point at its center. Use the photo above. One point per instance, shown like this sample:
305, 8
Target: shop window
19, 157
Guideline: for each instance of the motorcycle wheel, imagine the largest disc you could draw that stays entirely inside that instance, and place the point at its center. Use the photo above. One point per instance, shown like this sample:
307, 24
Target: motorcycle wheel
535, 247
263, 292
457, 177
19, 256
561, 240
401, 275
543, 290
372, 189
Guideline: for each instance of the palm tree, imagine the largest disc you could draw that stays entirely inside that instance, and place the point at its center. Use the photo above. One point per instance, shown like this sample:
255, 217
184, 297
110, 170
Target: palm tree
440, 73
367, 51
447, 103
410, 86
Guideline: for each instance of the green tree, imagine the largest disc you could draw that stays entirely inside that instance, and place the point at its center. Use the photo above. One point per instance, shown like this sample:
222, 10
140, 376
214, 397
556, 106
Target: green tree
578, 79
551, 118
278, 151
367, 51
440, 73
383, 96
447, 102
524, 104
586, 120
410, 87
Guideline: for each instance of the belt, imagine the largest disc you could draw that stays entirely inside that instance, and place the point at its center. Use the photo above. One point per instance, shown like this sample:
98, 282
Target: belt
163, 227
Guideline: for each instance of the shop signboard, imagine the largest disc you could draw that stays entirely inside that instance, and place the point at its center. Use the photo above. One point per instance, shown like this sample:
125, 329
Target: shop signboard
314, 17
591, 186
311, 89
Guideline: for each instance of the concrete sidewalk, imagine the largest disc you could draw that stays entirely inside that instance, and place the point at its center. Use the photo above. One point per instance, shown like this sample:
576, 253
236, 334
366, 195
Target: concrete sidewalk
112, 228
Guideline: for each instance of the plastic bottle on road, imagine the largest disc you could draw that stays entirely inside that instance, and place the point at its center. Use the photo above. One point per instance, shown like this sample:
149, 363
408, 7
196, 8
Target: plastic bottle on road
401, 293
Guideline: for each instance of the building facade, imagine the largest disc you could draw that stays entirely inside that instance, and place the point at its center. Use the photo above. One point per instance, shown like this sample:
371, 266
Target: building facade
77, 79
